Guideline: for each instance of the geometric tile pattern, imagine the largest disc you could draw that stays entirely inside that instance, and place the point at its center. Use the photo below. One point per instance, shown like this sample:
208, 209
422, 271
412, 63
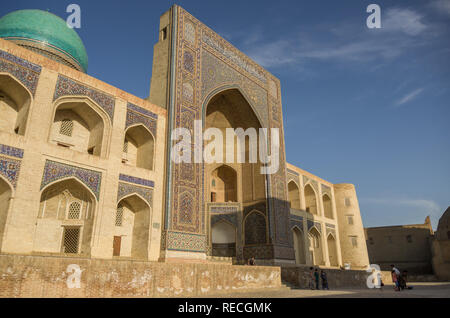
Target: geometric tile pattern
187, 242
203, 62
27, 73
136, 180
139, 115
11, 151
316, 224
10, 168
126, 189
54, 171
66, 86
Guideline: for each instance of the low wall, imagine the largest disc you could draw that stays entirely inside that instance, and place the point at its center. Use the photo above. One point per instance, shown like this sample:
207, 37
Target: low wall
46, 276
337, 278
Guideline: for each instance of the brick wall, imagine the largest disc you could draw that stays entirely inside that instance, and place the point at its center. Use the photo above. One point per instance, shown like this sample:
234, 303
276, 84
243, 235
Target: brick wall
46, 276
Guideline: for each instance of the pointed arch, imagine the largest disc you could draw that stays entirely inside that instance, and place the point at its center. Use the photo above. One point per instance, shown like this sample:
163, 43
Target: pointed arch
15, 104
332, 249
134, 231
327, 206
294, 195
255, 231
315, 246
299, 245
223, 184
92, 125
139, 146
63, 202
310, 199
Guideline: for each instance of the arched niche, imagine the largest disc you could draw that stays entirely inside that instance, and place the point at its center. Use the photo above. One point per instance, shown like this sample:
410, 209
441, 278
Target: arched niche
230, 109
293, 195
255, 228
138, 148
327, 206
332, 250
223, 184
315, 246
134, 229
310, 199
65, 219
15, 103
299, 245
80, 124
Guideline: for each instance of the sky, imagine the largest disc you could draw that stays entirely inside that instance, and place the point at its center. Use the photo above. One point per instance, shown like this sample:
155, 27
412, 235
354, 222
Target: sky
363, 106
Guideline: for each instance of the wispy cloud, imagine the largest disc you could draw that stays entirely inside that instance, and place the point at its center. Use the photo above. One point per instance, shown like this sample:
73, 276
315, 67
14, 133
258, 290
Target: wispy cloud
404, 20
402, 29
442, 6
409, 97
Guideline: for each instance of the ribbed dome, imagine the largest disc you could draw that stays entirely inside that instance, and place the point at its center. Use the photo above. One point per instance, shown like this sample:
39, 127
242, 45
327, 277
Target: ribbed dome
46, 34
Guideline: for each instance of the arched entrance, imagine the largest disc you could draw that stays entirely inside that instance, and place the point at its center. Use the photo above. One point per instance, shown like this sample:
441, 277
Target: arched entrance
15, 101
294, 195
299, 246
237, 182
223, 238
5, 198
65, 219
138, 148
310, 199
332, 250
132, 228
315, 246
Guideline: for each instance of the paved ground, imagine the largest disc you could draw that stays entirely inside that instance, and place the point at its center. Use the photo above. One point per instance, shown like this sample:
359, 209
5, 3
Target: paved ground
420, 290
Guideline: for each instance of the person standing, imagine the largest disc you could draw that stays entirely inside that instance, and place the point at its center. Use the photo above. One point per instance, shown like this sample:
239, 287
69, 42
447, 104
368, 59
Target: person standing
311, 278
395, 277
324, 278
316, 277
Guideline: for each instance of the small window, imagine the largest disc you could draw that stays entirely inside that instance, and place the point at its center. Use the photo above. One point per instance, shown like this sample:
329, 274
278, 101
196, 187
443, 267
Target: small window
164, 33
389, 239
91, 150
213, 197
371, 241
348, 202
66, 128
74, 211
71, 240
350, 219
354, 241
448, 235
16, 131
213, 182
119, 216
409, 238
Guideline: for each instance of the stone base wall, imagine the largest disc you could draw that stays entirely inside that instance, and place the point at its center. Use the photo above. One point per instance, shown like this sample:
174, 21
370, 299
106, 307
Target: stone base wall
337, 278
46, 276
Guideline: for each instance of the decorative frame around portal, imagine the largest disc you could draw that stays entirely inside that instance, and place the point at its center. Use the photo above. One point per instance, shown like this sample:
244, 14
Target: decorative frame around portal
203, 62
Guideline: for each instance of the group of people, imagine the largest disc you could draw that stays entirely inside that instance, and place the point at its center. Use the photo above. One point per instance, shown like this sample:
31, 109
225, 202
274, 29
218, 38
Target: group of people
315, 277
399, 279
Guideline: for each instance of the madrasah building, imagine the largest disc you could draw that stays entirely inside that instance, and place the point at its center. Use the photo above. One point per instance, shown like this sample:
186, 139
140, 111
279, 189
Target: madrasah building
85, 167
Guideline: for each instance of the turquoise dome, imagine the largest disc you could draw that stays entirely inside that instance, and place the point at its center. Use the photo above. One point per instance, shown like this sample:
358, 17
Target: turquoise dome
46, 34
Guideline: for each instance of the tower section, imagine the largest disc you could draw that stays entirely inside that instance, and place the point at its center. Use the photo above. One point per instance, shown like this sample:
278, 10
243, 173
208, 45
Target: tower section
351, 230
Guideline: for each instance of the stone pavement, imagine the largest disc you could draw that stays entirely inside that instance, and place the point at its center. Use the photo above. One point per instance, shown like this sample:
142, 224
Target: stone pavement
420, 290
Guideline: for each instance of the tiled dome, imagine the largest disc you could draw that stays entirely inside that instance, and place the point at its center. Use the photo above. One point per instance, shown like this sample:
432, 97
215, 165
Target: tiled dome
46, 34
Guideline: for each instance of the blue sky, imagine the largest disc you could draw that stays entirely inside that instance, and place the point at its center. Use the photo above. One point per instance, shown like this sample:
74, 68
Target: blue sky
363, 106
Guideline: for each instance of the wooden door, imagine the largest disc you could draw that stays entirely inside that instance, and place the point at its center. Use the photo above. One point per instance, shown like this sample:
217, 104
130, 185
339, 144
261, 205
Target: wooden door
116, 245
